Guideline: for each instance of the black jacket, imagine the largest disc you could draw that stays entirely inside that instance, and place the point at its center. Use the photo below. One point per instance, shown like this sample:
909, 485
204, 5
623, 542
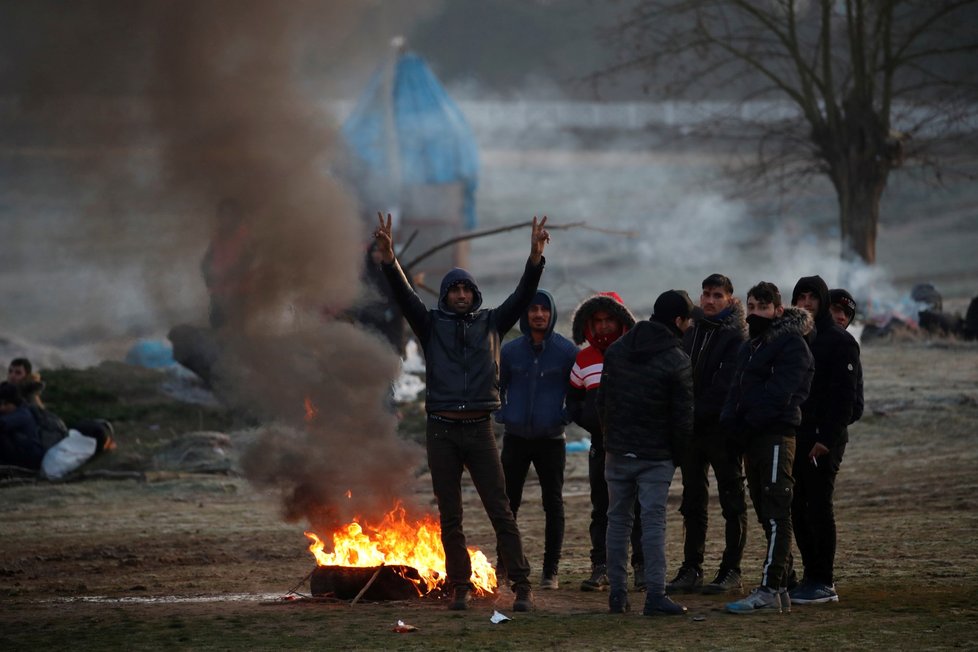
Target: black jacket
712, 345
773, 378
645, 400
836, 393
832, 402
461, 351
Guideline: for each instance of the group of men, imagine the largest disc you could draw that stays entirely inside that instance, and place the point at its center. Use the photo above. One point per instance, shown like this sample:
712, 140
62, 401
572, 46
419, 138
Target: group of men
714, 386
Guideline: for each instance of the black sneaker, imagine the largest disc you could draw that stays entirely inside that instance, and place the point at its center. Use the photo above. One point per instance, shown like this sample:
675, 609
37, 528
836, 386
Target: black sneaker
598, 580
460, 598
662, 605
524, 598
726, 581
687, 580
639, 579
618, 602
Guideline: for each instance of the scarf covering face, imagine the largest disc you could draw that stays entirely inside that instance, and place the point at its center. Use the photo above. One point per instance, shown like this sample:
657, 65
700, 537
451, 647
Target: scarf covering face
757, 325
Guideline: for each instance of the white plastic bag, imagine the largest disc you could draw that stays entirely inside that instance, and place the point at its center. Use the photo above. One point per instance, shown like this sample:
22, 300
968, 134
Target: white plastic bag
67, 455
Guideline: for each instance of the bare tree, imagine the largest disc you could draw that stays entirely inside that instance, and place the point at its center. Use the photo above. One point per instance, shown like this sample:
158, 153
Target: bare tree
871, 83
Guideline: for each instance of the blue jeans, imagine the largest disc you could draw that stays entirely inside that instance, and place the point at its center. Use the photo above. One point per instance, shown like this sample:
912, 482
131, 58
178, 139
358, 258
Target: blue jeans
648, 480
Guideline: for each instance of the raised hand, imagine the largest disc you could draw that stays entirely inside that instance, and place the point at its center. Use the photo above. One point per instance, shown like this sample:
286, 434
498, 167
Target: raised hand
539, 239
384, 238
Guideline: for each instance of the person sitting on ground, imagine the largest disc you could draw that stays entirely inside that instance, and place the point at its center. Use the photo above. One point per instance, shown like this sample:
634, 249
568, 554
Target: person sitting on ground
20, 444
51, 429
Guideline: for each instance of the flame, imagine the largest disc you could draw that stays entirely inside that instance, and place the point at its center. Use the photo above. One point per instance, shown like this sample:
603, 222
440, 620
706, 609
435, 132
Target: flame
396, 542
349, 494
311, 410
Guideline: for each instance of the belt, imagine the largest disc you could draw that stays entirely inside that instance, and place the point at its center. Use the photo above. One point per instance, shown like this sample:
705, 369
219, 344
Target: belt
466, 422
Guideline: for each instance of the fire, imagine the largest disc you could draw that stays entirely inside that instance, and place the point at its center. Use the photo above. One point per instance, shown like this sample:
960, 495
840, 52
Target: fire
396, 542
311, 410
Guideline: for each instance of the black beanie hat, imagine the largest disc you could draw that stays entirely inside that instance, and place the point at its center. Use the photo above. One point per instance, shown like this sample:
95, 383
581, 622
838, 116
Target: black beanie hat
672, 304
844, 300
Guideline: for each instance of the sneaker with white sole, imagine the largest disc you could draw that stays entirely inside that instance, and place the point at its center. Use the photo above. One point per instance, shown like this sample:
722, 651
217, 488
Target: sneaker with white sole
761, 599
814, 593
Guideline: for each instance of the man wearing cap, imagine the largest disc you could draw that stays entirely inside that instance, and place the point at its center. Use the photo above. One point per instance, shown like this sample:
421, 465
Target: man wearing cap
712, 344
842, 306
761, 414
533, 376
645, 403
461, 345
821, 442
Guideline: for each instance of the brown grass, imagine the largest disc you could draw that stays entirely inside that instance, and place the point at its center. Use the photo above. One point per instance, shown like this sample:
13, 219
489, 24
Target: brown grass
907, 564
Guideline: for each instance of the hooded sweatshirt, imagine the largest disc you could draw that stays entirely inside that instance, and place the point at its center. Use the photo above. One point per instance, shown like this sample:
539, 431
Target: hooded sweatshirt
772, 379
645, 400
835, 389
461, 351
585, 377
533, 379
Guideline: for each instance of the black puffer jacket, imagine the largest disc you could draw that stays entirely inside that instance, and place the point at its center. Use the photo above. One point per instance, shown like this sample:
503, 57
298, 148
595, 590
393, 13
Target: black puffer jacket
712, 345
773, 378
835, 390
462, 351
645, 401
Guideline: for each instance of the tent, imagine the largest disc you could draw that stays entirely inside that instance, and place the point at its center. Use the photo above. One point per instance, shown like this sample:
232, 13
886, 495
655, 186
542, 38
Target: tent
414, 151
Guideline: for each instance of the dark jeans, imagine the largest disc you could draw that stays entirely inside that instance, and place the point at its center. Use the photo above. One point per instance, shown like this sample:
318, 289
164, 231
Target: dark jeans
548, 457
708, 448
452, 447
768, 460
813, 512
599, 514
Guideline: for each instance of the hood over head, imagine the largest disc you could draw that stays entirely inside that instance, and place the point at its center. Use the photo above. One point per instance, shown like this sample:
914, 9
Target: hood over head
454, 276
542, 297
816, 285
611, 303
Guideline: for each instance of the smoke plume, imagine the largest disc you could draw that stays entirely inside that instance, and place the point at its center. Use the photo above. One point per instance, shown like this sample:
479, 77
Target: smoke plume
245, 139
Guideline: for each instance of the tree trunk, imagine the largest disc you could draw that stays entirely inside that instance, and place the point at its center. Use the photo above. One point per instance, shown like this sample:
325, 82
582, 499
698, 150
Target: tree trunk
860, 161
859, 212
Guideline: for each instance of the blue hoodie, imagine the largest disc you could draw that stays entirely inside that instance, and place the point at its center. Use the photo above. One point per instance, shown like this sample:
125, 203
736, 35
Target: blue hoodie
533, 379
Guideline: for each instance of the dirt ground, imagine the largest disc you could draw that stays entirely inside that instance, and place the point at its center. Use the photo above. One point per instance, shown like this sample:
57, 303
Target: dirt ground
198, 561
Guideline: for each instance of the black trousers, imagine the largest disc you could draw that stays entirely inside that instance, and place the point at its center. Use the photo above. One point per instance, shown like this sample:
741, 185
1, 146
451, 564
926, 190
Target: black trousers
709, 449
768, 460
549, 457
451, 448
599, 514
813, 512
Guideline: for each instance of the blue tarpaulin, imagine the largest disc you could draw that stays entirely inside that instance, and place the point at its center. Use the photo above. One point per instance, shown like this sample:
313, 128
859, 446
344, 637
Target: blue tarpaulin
406, 130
